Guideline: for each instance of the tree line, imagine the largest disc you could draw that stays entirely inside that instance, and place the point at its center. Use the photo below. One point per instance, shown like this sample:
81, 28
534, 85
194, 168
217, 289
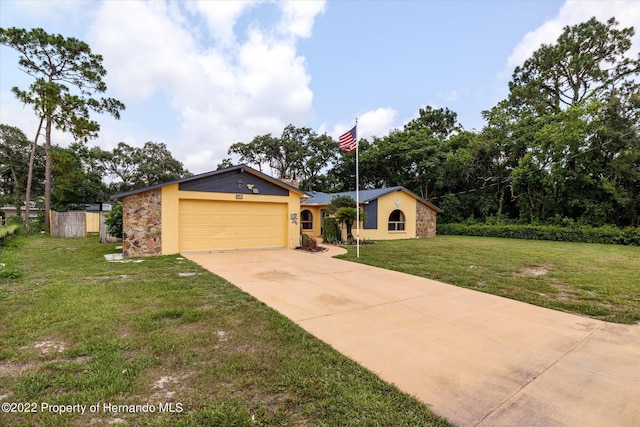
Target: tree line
81, 174
562, 147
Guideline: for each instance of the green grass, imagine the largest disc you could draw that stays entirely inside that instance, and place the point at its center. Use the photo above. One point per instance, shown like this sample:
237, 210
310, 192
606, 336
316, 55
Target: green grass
79, 330
595, 280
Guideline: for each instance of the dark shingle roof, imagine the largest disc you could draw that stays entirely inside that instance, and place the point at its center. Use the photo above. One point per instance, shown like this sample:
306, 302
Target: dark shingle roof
207, 174
319, 198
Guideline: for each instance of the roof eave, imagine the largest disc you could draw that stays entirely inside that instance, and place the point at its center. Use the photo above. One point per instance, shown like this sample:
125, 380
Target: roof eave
211, 173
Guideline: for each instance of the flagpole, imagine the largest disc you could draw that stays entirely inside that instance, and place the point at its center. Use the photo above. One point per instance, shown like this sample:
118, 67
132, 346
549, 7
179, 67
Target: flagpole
347, 140
357, 198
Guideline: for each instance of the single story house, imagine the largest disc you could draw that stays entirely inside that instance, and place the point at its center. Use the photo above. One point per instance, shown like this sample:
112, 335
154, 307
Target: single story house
391, 213
34, 208
241, 208
228, 209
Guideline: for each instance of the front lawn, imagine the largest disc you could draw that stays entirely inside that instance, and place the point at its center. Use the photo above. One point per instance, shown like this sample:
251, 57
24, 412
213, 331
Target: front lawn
163, 342
595, 280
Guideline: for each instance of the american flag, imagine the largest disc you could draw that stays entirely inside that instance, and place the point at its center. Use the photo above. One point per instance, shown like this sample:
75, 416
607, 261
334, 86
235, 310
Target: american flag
348, 140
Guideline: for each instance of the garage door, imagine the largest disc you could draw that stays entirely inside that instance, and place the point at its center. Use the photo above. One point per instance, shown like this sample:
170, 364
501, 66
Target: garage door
216, 225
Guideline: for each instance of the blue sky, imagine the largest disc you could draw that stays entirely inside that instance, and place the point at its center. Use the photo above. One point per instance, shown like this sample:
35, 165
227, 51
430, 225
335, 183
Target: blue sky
202, 75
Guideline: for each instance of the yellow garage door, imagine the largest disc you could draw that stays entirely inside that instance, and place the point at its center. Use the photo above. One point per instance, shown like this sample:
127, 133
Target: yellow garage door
218, 225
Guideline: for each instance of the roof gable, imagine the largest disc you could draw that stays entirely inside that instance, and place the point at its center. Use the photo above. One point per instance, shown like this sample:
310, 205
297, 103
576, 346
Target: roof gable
228, 178
234, 181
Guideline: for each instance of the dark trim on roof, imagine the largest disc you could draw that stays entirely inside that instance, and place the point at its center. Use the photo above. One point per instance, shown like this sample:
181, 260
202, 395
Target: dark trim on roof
369, 195
242, 168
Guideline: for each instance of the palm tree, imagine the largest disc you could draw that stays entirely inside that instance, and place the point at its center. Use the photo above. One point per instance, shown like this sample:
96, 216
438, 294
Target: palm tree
348, 216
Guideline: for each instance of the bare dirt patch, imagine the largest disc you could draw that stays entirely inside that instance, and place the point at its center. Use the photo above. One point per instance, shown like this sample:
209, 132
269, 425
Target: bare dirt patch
535, 271
47, 347
222, 336
564, 292
165, 386
13, 369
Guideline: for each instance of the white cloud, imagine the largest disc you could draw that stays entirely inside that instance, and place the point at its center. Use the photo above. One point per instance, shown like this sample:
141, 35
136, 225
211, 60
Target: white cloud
54, 16
222, 90
377, 122
627, 13
371, 123
221, 16
202, 161
299, 16
143, 48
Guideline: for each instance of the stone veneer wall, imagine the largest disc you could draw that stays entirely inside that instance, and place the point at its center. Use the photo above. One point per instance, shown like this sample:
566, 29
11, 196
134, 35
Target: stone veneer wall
425, 221
141, 224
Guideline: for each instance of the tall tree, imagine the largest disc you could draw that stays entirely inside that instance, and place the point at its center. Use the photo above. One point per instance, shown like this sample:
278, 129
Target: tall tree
254, 153
470, 180
286, 154
321, 153
299, 153
60, 65
77, 179
156, 165
15, 151
410, 157
587, 60
558, 132
130, 167
120, 165
14, 159
439, 122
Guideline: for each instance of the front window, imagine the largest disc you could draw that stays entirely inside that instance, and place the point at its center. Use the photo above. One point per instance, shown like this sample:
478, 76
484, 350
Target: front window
307, 220
396, 221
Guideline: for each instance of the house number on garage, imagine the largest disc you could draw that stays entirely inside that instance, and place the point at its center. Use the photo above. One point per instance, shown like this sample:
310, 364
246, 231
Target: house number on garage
294, 218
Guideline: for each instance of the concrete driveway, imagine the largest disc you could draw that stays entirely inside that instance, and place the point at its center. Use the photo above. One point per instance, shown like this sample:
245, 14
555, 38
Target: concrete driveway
476, 359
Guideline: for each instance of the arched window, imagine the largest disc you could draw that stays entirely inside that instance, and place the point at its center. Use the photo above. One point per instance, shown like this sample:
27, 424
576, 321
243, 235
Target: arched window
306, 217
396, 221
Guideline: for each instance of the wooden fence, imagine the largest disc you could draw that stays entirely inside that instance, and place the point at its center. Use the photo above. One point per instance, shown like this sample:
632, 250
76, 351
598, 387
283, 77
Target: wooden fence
68, 224
78, 224
92, 222
104, 236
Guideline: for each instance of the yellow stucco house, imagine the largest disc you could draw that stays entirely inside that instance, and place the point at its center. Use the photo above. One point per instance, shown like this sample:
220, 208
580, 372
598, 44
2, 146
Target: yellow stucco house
391, 213
228, 209
241, 208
